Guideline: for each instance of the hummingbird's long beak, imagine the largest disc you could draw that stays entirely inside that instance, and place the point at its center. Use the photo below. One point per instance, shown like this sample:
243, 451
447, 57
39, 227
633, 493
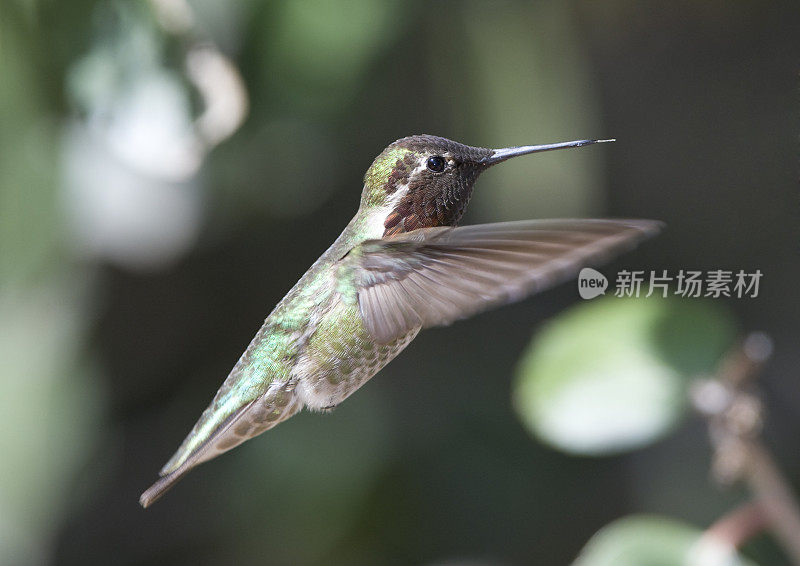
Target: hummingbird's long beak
500, 155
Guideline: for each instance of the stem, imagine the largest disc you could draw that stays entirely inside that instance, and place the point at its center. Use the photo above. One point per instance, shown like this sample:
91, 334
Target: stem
776, 498
738, 526
734, 419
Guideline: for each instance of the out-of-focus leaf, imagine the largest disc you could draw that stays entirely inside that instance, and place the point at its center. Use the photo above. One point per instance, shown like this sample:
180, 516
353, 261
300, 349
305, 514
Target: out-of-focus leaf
655, 541
310, 475
278, 180
49, 411
30, 229
611, 375
523, 98
319, 50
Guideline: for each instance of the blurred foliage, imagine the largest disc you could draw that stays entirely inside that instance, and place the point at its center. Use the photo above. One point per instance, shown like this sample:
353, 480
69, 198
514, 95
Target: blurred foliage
28, 155
654, 541
323, 488
319, 52
520, 91
613, 374
43, 447
137, 259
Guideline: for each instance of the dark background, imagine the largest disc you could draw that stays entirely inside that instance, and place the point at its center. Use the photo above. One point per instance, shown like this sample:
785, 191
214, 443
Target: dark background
114, 338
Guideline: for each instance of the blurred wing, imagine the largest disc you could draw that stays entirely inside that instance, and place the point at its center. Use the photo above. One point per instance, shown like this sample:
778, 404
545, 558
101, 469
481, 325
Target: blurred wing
433, 276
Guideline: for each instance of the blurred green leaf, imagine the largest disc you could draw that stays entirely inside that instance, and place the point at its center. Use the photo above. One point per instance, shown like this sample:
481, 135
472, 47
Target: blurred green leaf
321, 469
522, 97
655, 541
30, 227
49, 413
611, 375
277, 180
319, 51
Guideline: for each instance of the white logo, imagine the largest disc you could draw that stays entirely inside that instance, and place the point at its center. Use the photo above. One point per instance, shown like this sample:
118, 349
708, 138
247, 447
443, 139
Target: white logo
591, 283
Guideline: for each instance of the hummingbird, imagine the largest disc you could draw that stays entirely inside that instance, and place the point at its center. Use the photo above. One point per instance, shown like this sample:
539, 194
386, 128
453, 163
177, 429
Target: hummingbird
402, 264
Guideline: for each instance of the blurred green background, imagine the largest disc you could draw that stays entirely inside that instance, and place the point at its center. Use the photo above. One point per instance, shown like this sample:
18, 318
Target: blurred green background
169, 169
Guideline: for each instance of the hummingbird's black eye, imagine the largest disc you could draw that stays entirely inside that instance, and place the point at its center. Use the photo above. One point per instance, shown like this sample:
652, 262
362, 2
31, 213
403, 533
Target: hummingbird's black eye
436, 163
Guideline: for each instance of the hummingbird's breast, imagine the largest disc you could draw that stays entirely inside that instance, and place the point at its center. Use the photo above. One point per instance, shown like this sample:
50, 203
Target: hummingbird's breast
340, 356
335, 354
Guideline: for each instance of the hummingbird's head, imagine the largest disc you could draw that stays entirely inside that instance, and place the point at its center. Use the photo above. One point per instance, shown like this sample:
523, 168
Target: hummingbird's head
424, 181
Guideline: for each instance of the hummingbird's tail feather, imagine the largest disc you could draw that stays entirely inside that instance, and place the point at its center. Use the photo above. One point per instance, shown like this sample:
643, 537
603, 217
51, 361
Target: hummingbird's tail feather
161, 486
171, 476
211, 438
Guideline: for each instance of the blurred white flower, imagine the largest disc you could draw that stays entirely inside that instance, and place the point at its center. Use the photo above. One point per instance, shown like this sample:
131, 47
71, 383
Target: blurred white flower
121, 209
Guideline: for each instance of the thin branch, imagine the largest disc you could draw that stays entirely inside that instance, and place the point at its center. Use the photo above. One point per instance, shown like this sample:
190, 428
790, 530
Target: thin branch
775, 495
739, 526
735, 417
719, 544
